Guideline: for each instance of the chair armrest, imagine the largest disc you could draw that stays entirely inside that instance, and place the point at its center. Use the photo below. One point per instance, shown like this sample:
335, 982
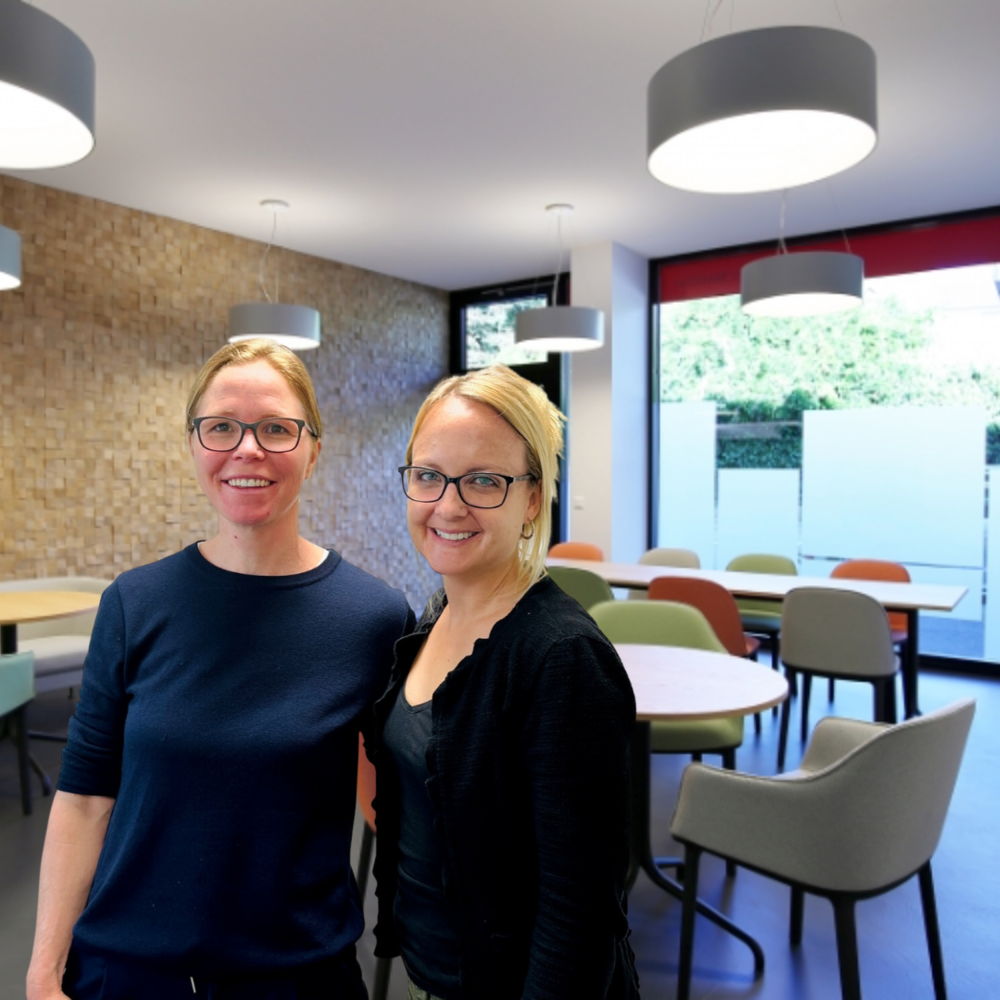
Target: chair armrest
832, 740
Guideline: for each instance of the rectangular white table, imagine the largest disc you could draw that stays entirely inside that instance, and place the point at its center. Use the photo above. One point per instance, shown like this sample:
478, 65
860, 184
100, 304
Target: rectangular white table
909, 598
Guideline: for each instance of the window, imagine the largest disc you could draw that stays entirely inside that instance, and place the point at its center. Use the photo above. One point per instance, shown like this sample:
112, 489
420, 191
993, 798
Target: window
872, 434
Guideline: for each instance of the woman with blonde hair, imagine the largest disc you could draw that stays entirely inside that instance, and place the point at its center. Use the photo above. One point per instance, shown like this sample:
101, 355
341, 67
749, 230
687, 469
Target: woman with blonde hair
502, 742
199, 841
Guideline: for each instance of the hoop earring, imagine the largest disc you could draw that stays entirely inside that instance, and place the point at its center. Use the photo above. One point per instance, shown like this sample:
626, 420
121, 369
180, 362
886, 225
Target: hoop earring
527, 538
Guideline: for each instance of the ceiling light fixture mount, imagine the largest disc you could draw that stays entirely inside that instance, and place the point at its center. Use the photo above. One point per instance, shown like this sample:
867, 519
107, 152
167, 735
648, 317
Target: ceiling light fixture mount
762, 110
560, 329
10, 259
292, 326
47, 84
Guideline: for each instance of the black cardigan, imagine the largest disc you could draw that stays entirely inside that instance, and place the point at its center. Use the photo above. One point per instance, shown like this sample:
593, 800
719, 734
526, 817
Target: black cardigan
529, 765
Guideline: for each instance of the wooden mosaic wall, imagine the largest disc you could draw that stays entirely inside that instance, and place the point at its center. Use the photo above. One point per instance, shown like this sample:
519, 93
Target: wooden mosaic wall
117, 311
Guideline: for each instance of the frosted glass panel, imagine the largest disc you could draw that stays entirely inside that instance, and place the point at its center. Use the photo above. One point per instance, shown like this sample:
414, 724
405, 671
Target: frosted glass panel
899, 483
758, 512
687, 478
991, 618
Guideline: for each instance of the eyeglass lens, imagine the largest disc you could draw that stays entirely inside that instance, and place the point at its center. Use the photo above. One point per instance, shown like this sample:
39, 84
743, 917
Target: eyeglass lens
477, 489
224, 434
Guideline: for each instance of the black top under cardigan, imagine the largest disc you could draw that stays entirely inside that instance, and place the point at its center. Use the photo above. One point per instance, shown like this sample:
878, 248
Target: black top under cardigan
529, 765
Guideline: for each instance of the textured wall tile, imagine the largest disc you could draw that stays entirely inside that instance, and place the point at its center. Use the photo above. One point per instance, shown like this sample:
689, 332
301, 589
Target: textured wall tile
117, 311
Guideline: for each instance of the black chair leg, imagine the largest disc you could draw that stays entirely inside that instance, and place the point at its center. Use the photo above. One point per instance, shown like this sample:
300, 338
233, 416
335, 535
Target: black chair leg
365, 859
783, 732
729, 763
929, 905
830, 689
847, 947
795, 917
684, 966
806, 692
383, 966
19, 734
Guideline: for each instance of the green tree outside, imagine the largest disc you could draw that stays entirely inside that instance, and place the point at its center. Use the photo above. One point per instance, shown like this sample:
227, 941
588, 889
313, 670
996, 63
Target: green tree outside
768, 372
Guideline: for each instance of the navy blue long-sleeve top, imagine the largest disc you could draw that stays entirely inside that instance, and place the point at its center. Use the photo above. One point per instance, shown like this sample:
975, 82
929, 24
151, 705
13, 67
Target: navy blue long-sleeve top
221, 712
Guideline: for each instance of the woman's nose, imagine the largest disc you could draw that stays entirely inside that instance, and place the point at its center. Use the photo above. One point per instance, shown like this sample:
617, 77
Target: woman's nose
248, 444
451, 499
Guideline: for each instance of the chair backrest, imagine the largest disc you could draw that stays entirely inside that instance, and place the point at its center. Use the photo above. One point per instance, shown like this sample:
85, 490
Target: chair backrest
712, 600
888, 799
656, 623
366, 784
70, 625
17, 681
576, 550
682, 558
876, 569
836, 632
761, 562
582, 585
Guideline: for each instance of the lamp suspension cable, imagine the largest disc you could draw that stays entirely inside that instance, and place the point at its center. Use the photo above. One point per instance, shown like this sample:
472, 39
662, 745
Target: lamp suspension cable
556, 328
804, 283
295, 327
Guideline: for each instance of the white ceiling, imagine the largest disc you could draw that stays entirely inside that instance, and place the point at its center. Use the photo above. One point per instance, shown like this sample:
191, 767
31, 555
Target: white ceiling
423, 139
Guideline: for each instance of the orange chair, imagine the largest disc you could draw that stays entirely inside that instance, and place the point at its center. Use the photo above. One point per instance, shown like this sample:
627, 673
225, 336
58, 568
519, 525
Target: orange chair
366, 793
576, 550
718, 606
878, 569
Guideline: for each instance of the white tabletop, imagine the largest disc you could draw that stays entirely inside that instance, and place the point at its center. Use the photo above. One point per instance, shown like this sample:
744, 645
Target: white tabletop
896, 596
672, 683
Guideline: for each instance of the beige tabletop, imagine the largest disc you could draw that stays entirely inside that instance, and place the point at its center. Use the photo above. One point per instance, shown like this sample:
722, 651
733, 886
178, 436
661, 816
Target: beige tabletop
675, 684
896, 596
17, 607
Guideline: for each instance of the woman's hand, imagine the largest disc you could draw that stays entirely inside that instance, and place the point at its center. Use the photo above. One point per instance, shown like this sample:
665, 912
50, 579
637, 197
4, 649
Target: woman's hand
73, 842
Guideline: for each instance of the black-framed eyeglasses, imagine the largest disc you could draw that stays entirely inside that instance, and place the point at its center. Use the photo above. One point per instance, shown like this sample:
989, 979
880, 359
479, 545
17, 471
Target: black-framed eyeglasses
485, 490
274, 434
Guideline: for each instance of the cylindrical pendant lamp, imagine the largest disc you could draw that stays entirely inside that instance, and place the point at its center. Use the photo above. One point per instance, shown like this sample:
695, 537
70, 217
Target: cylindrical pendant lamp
10, 259
802, 284
762, 110
46, 90
297, 327
557, 329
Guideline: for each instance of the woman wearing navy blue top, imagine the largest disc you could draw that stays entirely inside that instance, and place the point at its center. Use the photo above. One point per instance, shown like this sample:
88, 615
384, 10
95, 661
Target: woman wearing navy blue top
502, 742
199, 840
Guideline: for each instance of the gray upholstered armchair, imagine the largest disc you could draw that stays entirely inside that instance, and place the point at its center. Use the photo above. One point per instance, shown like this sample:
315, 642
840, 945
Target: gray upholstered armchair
862, 814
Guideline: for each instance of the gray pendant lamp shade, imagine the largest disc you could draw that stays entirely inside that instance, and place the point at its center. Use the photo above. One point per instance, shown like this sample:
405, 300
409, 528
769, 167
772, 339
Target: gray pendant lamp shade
296, 327
762, 110
557, 329
46, 90
802, 284
10, 259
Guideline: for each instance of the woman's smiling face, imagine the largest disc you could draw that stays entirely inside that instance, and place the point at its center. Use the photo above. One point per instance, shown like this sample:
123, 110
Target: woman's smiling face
250, 487
459, 436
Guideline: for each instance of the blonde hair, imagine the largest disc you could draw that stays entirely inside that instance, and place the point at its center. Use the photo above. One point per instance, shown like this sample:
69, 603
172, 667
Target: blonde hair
246, 352
537, 422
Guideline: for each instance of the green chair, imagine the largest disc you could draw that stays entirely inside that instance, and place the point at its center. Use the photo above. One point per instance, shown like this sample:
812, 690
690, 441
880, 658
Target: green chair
17, 688
762, 616
667, 623
585, 587
680, 558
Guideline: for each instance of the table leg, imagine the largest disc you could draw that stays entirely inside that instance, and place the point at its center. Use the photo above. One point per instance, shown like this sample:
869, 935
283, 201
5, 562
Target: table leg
641, 853
911, 655
8, 644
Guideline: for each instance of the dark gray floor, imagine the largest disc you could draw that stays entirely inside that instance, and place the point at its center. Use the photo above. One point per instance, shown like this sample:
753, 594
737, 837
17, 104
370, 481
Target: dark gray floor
893, 954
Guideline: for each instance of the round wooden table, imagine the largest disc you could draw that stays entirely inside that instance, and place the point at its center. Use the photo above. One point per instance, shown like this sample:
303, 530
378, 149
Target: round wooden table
673, 684
18, 607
